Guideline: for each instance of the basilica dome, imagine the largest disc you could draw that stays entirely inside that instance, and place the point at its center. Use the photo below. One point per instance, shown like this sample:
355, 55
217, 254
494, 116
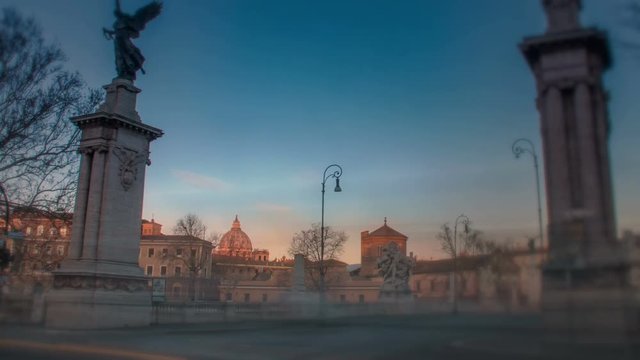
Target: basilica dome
235, 242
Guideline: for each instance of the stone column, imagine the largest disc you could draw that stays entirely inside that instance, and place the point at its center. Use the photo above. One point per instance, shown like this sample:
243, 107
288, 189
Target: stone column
100, 284
586, 286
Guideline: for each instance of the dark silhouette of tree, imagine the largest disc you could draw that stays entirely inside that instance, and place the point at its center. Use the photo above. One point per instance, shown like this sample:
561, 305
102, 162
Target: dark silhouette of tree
195, 256
190, 225
308, 243
38, 160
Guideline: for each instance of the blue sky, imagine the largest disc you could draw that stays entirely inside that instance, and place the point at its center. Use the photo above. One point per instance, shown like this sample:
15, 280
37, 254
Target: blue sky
419, 101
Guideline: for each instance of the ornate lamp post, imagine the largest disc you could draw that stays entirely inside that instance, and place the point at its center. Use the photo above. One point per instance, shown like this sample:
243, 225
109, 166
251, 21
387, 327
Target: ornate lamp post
464, 220
525, 146
335, 174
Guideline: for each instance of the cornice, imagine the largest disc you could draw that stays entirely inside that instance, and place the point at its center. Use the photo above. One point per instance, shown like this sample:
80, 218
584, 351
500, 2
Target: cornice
118, 121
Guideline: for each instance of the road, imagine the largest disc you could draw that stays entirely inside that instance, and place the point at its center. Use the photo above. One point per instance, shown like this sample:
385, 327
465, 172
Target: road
442, 336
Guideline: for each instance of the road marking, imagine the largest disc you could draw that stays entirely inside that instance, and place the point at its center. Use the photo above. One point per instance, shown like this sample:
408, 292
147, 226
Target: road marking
85, 349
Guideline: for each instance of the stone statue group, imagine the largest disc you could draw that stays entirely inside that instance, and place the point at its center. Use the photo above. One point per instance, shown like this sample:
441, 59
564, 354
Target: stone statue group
395, 269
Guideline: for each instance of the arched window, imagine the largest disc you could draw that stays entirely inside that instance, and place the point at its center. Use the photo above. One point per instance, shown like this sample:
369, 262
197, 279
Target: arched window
63, 231
52, 231
40, 230
28, 230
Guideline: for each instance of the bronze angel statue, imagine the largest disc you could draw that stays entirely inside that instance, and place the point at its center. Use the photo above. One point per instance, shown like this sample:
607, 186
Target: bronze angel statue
129, 59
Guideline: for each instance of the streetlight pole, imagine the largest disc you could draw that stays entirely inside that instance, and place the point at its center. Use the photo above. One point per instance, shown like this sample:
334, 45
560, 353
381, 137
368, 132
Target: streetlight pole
461, 219
335, 174
522, 146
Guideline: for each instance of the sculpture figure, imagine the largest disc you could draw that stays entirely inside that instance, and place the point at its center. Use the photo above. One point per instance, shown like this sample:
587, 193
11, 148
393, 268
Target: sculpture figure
395, 269
129, 59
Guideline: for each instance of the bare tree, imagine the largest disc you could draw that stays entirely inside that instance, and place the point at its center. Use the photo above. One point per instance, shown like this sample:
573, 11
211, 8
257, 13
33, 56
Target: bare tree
38, 160
214, 238
471, 243
308, 243
196, 257
190, 225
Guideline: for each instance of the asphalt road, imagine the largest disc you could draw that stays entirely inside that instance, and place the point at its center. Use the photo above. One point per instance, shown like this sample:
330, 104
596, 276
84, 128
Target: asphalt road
463, 337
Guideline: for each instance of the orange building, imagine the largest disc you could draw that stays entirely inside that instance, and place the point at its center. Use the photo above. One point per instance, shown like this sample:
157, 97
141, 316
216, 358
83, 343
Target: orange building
371, 245
45, 238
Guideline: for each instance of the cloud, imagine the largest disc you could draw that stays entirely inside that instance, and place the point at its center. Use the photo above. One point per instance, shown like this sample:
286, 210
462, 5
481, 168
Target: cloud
269, 207
201, 181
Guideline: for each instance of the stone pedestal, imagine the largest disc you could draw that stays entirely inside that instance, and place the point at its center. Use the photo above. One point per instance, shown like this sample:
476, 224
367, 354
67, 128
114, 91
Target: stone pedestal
100, 284
587, 287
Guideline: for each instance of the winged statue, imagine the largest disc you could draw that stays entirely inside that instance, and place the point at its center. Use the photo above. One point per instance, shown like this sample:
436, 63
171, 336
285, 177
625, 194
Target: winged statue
129, 59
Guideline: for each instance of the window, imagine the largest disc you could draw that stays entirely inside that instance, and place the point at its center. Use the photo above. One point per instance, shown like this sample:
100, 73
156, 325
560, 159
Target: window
149, 270
247, 298
49, 249
52, 231
264, 298
40, 230
194, 252
229, 297
178, 271
28, 230
204, 272
432, 284
60, 250
63, 231
179, 252
36, 250
361, 299
163, 270
343, 298
176, 290
417, 285
150, 252
165, 252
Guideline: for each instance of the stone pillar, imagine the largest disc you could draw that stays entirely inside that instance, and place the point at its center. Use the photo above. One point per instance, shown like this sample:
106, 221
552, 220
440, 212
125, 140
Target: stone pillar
298, 273
586, 279
100, 284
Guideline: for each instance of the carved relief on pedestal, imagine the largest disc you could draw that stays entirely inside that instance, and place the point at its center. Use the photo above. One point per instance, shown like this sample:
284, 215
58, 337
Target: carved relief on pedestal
129, 161
79, 282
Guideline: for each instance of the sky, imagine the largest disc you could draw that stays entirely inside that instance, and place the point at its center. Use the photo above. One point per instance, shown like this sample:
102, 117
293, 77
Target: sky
418, 101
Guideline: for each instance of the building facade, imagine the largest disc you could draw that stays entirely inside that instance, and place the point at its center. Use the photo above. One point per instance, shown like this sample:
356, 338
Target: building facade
183, 261
371, 245
42, 239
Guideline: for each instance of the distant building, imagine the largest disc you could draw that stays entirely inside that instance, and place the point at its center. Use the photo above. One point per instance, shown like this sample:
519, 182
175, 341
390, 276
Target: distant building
236, 243
184, 261
371, 245
44, 238
151, 227
511, 279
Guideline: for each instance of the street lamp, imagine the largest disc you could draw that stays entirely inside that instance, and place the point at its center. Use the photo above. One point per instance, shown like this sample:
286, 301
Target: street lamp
522, 146
336, 173
461, 219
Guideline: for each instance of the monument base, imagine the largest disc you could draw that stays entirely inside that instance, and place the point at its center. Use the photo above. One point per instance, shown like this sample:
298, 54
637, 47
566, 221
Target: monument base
98, 301
590, 304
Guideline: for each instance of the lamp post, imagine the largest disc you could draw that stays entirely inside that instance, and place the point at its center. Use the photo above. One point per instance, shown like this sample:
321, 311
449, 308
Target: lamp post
461, 219
522, 146
336, 173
